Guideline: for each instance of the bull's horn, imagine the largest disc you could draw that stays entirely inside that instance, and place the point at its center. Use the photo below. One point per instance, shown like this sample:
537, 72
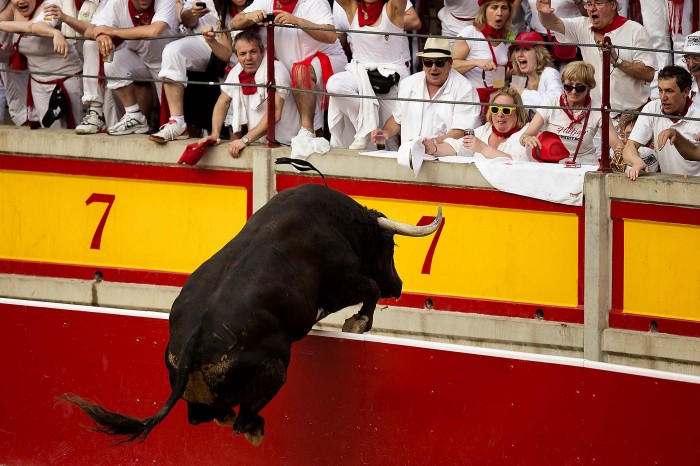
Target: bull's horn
411, 230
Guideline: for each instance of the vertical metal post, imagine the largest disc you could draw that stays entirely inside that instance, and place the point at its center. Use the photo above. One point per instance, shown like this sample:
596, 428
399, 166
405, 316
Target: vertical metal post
271, 139
605, 107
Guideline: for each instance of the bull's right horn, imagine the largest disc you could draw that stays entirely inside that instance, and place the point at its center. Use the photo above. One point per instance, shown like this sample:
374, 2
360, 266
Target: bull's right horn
411, 230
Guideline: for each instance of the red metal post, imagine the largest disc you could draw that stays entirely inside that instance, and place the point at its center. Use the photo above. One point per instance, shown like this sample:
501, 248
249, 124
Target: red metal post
604, 107
271, 139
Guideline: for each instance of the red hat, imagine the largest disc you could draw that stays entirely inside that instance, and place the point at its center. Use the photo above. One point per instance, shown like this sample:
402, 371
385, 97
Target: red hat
553, 150
530, 36
194, 152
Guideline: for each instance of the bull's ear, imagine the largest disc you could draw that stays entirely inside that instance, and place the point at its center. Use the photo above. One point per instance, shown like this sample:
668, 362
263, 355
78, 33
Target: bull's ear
411, 230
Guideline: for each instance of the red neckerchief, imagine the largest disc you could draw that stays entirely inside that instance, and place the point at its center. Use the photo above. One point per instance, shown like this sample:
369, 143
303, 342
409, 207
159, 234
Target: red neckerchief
491, 33
143, 18
368, 14
233, 10
570, 113
616, 22
286, 5
688, 103
507, 133
246, 78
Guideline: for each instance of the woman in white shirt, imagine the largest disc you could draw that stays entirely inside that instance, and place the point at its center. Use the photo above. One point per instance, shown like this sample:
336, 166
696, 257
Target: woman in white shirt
499, 137
478, 60
575, 128
534, 63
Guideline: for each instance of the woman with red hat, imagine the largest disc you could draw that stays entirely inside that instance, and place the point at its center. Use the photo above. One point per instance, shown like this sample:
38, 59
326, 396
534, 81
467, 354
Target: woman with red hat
479, 59
506, 121
534, 63
568, 132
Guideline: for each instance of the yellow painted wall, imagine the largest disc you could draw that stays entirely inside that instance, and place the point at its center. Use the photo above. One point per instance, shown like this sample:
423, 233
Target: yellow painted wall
164, 226
482, 252
489, 253
662, 269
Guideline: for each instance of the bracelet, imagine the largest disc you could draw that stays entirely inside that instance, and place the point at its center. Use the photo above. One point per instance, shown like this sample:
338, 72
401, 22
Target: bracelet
434, 141
522, 140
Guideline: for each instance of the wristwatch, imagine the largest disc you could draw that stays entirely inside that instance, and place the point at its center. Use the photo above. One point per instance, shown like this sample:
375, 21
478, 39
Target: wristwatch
245, 140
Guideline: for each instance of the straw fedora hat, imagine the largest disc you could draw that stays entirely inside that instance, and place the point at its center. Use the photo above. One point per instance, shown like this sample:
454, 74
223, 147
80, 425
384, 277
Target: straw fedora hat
436, 47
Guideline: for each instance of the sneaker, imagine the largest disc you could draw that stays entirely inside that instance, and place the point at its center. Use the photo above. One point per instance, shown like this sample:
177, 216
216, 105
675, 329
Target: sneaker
92, 123
170, 132
129, 125
359, 143
303, 132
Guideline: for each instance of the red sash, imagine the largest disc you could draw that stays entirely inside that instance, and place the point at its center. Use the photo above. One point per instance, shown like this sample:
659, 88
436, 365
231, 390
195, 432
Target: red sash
675, 16
368, 14
300, 72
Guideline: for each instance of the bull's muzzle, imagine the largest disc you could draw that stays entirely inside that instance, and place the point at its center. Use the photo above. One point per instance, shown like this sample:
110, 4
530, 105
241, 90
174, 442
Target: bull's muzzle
411, 230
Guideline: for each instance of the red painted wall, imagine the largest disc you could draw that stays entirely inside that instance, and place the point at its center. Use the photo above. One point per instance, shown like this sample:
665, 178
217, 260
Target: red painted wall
346, 402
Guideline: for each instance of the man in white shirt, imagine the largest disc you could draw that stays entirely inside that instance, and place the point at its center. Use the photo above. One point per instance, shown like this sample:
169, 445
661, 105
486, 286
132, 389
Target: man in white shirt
119, 28
632, 71
437, 82
311, 51
248, 103
674, 91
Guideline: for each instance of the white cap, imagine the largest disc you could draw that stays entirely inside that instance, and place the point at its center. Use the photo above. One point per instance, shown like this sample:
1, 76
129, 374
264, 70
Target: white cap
692, 43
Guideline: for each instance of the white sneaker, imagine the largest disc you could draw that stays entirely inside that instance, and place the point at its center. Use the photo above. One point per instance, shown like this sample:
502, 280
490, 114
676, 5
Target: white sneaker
170, 132
92, 123
303, 132
129, 125
359, 143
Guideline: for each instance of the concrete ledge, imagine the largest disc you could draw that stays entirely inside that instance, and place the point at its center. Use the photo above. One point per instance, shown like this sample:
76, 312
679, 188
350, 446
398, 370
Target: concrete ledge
657, 188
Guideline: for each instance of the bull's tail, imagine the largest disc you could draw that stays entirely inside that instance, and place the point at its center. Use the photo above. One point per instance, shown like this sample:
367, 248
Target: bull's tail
128, 428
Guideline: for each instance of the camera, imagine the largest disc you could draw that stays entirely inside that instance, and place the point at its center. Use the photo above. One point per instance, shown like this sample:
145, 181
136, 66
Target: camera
270, 18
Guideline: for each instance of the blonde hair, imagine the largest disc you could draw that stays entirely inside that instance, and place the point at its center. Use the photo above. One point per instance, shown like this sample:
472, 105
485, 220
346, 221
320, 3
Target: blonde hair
544, 59
580, 71
480, 20
517, 100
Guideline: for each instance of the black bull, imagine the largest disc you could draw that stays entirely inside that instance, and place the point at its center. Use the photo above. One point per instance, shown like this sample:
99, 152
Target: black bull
307, 253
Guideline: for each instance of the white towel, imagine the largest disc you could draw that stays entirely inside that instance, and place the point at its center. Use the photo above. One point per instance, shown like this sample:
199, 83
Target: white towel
547, 181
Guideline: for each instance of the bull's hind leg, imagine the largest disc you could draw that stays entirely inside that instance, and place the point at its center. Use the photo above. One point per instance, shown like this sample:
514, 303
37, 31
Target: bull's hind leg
256, 395
198, 413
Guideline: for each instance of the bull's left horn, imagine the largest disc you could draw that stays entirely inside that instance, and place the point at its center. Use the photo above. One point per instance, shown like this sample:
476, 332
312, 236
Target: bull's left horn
411, 230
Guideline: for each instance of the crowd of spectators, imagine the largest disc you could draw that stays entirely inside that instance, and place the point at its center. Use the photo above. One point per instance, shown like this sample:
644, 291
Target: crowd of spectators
481, 86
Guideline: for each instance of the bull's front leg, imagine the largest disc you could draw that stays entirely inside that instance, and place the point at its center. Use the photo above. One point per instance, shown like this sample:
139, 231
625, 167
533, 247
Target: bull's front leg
362, 321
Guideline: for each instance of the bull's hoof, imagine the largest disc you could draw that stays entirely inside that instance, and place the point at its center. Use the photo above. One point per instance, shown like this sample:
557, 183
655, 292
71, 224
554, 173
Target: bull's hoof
254, 439
226, 421
356, 324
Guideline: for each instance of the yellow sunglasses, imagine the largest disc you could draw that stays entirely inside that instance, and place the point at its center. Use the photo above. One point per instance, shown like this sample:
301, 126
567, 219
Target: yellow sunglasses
504, 110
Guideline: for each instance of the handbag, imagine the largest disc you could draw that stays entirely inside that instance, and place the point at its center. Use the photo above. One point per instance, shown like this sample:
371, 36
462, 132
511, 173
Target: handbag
382, 84
561, 52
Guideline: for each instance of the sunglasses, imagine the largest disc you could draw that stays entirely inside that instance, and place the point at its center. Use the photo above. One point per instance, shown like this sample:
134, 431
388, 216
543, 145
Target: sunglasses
430, 63
504, 110
578, 87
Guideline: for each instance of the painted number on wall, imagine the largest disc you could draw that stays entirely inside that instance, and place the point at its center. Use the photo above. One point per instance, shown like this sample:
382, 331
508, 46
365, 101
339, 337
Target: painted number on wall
427, 263
106, 199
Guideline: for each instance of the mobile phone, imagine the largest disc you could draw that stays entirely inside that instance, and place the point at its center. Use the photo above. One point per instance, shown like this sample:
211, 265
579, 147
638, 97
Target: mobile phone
469, 132
201, 4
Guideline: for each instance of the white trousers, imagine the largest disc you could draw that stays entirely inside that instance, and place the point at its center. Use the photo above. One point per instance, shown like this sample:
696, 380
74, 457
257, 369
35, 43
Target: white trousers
16, 94
41, 93
345, 83
93, 90
188, 53
128, 65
